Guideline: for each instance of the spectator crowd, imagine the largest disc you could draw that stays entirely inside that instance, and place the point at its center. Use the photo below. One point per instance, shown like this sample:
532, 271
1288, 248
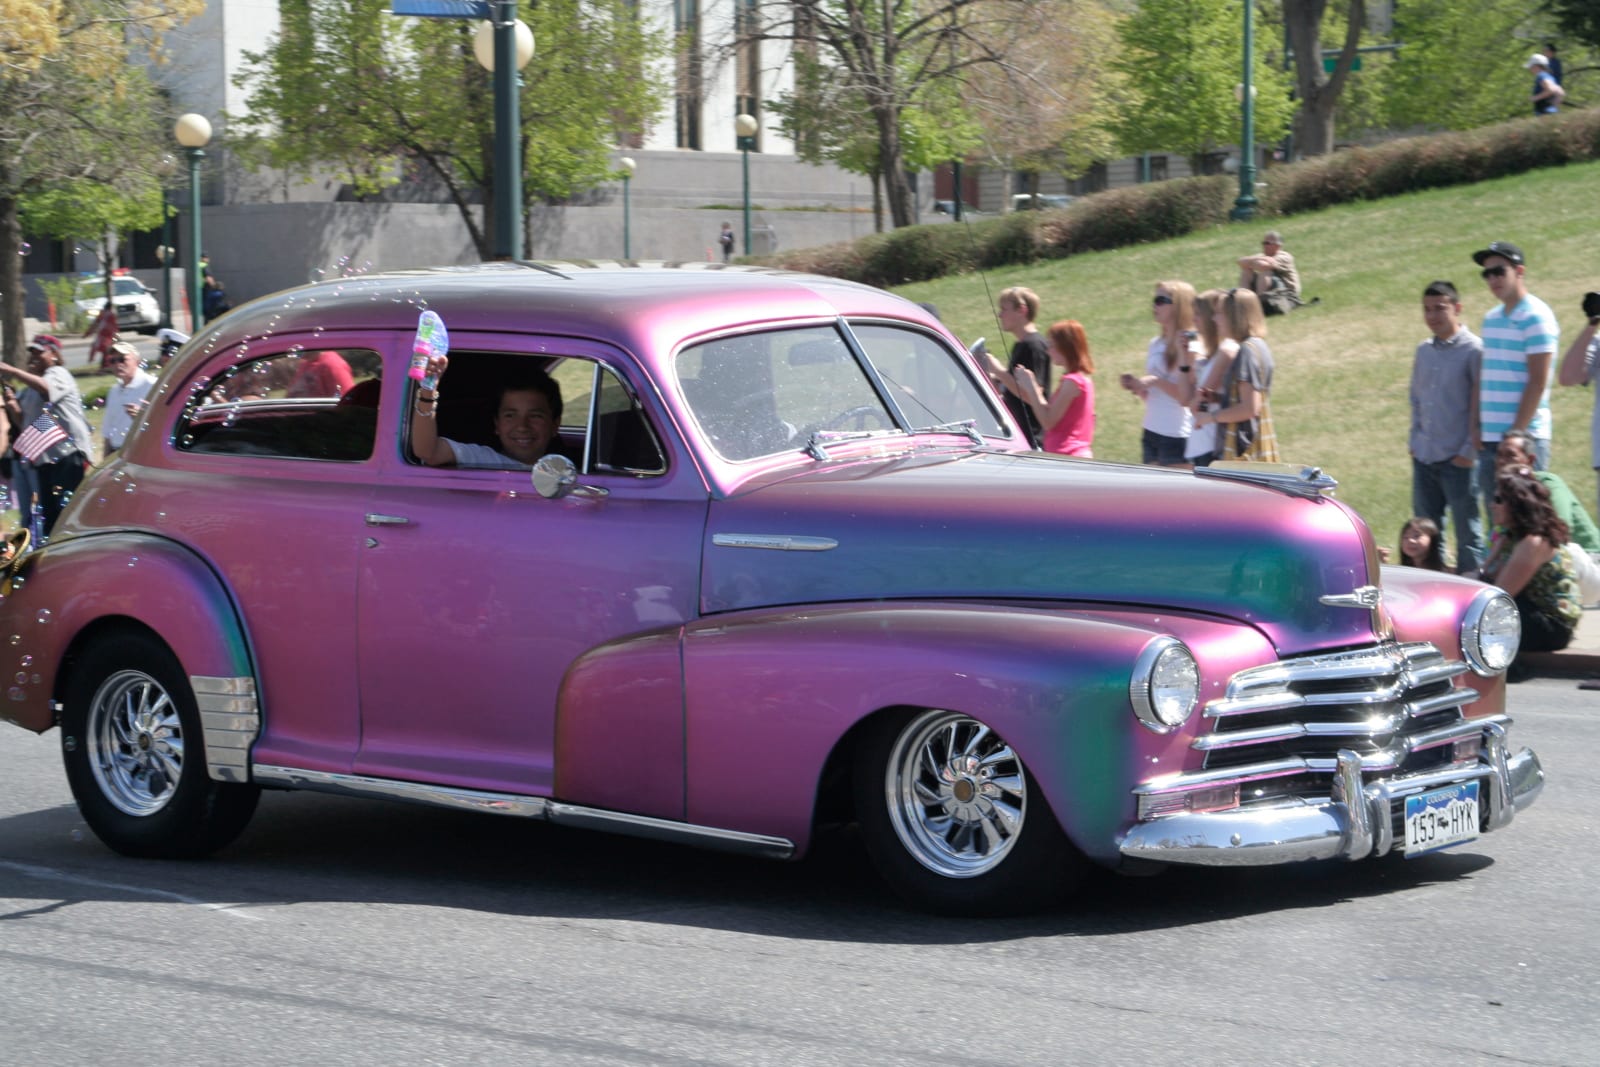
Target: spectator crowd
1480, 433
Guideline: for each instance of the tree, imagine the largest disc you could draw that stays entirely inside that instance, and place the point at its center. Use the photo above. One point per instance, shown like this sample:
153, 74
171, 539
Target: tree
1580, 18
349, 85
77, 113
896, 57
1319, 93
1431, 86
830, 121
1182, 60
1052, 109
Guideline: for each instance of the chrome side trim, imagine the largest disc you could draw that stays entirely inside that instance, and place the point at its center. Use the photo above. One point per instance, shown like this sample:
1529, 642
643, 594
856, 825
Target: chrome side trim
777, 848
443, 796
528, 807
230, 722
779, 542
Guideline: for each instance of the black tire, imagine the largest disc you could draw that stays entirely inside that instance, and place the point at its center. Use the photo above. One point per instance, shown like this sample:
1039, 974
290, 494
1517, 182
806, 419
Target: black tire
980, 841
135, 759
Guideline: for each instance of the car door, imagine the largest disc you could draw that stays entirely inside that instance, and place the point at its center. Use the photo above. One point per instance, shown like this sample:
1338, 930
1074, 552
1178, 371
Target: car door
477, 594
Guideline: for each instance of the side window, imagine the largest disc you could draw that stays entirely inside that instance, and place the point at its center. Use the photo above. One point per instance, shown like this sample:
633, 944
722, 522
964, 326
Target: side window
600, 429
292, 405
928, 384
621, 441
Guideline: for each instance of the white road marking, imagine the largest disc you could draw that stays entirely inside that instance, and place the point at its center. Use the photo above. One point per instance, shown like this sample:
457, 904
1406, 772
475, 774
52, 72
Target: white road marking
49, 874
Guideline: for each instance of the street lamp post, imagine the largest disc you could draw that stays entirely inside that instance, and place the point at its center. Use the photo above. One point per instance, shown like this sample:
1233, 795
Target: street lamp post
503, 47
627, 164
166, 168
194, 133
1244, 207
746, 126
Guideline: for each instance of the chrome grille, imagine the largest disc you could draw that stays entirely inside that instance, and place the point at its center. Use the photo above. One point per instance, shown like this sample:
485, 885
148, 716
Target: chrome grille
1280, 727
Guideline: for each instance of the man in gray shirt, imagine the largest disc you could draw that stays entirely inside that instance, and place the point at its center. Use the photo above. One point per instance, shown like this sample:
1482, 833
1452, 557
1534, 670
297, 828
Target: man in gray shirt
1444, 422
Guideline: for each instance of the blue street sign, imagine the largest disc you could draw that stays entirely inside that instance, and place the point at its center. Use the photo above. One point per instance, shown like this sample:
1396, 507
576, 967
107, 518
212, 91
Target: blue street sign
441, 9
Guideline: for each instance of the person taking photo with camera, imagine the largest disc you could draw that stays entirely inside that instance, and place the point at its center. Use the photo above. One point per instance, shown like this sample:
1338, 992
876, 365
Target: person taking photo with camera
1581, 365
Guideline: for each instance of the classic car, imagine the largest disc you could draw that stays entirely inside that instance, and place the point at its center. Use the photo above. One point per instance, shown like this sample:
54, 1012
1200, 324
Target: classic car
788, 565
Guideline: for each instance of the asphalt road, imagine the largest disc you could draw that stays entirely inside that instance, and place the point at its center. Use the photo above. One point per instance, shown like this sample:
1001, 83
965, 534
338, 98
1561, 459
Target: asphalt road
348, 932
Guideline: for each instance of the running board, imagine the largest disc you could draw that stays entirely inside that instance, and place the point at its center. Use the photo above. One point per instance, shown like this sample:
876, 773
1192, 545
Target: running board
526, 807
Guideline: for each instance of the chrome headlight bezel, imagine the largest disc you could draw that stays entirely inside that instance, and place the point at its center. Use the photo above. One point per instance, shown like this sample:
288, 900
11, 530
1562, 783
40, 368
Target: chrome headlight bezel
1165, 685
1493, 613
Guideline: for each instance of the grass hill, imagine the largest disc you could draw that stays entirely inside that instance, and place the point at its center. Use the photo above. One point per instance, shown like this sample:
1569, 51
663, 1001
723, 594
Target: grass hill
1339, 396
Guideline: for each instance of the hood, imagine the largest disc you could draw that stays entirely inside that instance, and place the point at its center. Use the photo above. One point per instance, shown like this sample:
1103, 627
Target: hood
988, 526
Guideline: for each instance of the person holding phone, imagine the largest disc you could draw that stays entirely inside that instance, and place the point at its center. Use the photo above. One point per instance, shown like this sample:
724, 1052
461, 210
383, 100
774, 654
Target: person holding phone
1167, 385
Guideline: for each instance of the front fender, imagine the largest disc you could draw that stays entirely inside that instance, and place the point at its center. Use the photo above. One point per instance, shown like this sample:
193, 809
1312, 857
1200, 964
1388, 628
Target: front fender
770, 693
60, 593
1425, 605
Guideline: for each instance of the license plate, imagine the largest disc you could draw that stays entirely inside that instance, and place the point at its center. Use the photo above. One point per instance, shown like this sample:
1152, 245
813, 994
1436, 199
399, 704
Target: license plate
1442, 818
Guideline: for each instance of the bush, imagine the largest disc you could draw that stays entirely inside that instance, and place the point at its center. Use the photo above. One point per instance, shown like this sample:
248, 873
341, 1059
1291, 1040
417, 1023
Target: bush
1433, 162
1161, 210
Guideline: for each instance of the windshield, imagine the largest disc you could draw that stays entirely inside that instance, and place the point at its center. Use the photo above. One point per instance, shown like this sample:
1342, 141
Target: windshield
756, 394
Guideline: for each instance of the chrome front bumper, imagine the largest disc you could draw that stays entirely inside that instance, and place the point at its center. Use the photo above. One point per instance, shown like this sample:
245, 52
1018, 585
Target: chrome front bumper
1320, 829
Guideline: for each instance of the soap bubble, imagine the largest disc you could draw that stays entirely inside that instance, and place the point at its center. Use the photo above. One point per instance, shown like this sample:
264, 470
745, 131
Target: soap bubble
24, 248
43, 616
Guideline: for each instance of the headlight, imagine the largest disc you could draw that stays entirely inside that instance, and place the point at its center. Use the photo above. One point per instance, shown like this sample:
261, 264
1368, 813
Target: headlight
1491, 631
1165, 684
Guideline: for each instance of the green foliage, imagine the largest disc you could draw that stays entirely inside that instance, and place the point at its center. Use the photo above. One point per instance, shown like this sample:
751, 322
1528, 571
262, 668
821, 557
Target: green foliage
1182, 60
350, 85
1580, 18
1413, 163
1159, 211
87, 209
82, 132
60, 292
1462, 64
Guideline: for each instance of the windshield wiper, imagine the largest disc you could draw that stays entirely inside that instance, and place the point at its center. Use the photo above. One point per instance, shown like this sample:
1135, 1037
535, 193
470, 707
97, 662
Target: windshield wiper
965, 426
815, 447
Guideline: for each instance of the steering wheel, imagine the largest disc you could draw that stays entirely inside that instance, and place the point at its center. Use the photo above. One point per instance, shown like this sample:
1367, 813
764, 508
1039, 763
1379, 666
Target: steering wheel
859, 415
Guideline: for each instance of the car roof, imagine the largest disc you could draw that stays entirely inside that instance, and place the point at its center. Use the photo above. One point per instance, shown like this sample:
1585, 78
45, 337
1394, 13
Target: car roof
647, 307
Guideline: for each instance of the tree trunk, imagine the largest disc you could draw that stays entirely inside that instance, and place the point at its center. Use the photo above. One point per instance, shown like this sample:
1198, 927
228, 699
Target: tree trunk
1319, 96
877, 201
892, 159
11, 304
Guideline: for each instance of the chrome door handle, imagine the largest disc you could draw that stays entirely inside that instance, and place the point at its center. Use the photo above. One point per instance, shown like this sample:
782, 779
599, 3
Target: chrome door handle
387, 520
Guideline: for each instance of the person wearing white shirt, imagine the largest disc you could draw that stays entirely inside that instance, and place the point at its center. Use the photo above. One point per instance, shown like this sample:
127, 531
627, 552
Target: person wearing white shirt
126, 399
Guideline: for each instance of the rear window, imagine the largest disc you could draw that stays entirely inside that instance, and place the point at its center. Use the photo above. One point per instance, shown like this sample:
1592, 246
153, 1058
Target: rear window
320, 405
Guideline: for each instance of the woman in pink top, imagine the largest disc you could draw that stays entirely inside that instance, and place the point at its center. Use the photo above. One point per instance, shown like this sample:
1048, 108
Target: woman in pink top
1068, 415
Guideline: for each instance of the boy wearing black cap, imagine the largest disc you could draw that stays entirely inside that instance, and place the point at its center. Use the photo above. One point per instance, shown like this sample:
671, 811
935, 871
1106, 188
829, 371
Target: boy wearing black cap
1520, 336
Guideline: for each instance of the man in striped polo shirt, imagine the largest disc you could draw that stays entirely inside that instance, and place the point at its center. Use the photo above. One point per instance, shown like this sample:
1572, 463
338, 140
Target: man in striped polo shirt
1519, 343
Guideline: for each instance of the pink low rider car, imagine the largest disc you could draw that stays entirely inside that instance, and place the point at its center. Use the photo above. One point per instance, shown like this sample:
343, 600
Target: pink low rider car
788, 563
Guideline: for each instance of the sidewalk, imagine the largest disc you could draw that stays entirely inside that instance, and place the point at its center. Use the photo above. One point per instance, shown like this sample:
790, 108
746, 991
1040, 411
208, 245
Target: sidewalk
1581, 659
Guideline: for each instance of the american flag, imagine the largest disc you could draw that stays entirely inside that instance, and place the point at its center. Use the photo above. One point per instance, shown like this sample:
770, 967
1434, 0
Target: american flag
39, 437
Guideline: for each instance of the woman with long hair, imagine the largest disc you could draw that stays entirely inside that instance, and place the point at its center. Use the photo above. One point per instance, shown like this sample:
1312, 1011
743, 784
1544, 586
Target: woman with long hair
1244, 418
1201, 447
1067, 416
1168, 382
1530, 563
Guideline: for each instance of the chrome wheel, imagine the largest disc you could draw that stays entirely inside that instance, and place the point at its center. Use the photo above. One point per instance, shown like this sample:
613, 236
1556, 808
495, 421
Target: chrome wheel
956, 793
135, 742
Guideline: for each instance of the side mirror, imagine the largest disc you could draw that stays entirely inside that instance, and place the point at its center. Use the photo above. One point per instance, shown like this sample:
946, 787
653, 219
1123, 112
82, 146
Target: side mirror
555, 475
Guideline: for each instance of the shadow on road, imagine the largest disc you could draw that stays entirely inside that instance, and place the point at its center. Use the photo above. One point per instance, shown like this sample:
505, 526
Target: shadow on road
309, 847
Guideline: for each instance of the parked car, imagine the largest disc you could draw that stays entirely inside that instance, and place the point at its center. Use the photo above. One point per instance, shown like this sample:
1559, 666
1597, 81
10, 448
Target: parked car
137, 308
1039, 201
790, 564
